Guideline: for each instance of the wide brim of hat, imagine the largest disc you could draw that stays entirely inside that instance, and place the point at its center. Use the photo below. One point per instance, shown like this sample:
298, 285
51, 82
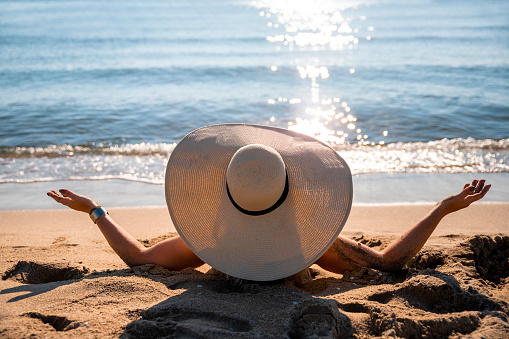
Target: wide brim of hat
270, 246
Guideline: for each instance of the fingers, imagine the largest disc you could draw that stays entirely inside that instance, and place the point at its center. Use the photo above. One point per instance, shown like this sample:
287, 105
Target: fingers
482, 192
67, 193
479, 186
467, 190
58, 198
72, 200
479, 195
475, 187
53, 194
474, 183
473, 192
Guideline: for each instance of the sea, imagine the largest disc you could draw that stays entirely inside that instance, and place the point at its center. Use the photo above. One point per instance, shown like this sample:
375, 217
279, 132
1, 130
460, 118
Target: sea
94, 95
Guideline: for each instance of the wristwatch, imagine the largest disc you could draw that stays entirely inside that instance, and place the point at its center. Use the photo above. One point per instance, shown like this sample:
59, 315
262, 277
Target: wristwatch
96, 212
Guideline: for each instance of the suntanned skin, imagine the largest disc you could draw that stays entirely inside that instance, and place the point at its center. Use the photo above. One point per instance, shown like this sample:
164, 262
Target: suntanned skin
171, 253
344, 254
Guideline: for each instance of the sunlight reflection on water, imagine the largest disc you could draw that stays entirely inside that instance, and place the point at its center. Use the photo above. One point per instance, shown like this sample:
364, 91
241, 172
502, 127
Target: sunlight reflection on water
316, 26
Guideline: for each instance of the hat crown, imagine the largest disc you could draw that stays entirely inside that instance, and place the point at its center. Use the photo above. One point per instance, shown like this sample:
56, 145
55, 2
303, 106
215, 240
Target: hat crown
256, 177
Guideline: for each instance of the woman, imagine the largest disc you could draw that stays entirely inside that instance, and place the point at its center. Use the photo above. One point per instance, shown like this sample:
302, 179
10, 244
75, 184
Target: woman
262, 203
344, 255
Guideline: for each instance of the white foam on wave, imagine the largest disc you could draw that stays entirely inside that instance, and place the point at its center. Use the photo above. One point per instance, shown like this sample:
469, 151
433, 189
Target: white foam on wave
441, 156
146, 162
65, 150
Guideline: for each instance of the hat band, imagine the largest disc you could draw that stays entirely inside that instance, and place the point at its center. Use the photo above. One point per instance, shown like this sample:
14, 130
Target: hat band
265, 211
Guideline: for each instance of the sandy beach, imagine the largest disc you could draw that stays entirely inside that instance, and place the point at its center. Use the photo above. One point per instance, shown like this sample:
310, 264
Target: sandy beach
60, 279
96, 97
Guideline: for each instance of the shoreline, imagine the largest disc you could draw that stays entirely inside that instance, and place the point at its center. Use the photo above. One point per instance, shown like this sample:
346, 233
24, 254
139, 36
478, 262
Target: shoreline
369, 190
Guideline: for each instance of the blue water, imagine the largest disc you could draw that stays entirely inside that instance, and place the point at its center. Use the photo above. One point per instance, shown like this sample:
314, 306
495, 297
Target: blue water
103, 90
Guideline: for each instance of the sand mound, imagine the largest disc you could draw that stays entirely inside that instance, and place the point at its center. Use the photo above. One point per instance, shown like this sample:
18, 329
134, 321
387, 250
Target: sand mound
489, 256
153, 241
426, 300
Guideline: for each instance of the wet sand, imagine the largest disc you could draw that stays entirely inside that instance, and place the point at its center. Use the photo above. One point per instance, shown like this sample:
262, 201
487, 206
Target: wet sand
60, 279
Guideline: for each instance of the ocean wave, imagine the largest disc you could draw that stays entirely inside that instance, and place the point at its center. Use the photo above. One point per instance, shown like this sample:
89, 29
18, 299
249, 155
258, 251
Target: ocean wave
440, 156
146, 162
66, 150
456, 144
165, 149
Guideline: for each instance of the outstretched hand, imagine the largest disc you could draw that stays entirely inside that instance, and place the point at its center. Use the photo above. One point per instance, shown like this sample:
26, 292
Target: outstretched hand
470, 193
72, 200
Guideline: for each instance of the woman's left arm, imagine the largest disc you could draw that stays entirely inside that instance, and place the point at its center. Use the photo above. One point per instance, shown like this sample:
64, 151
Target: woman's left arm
346, 254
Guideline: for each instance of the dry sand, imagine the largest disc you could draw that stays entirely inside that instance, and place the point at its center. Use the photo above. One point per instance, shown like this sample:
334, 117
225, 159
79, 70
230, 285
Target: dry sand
60, 279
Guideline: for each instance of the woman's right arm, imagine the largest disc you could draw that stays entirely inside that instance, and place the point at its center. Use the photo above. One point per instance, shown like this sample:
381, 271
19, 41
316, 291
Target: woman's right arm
172, 253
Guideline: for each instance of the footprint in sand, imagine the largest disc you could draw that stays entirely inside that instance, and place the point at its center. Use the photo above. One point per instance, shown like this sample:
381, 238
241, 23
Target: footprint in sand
62, 241
29, 272
181, 321
60, 324
221, 286
319, 319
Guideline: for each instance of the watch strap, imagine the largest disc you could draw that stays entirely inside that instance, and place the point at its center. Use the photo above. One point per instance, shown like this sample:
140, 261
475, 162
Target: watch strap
96, 213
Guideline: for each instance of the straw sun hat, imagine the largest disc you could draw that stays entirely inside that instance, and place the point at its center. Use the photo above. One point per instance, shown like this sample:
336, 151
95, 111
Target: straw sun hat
257, 202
